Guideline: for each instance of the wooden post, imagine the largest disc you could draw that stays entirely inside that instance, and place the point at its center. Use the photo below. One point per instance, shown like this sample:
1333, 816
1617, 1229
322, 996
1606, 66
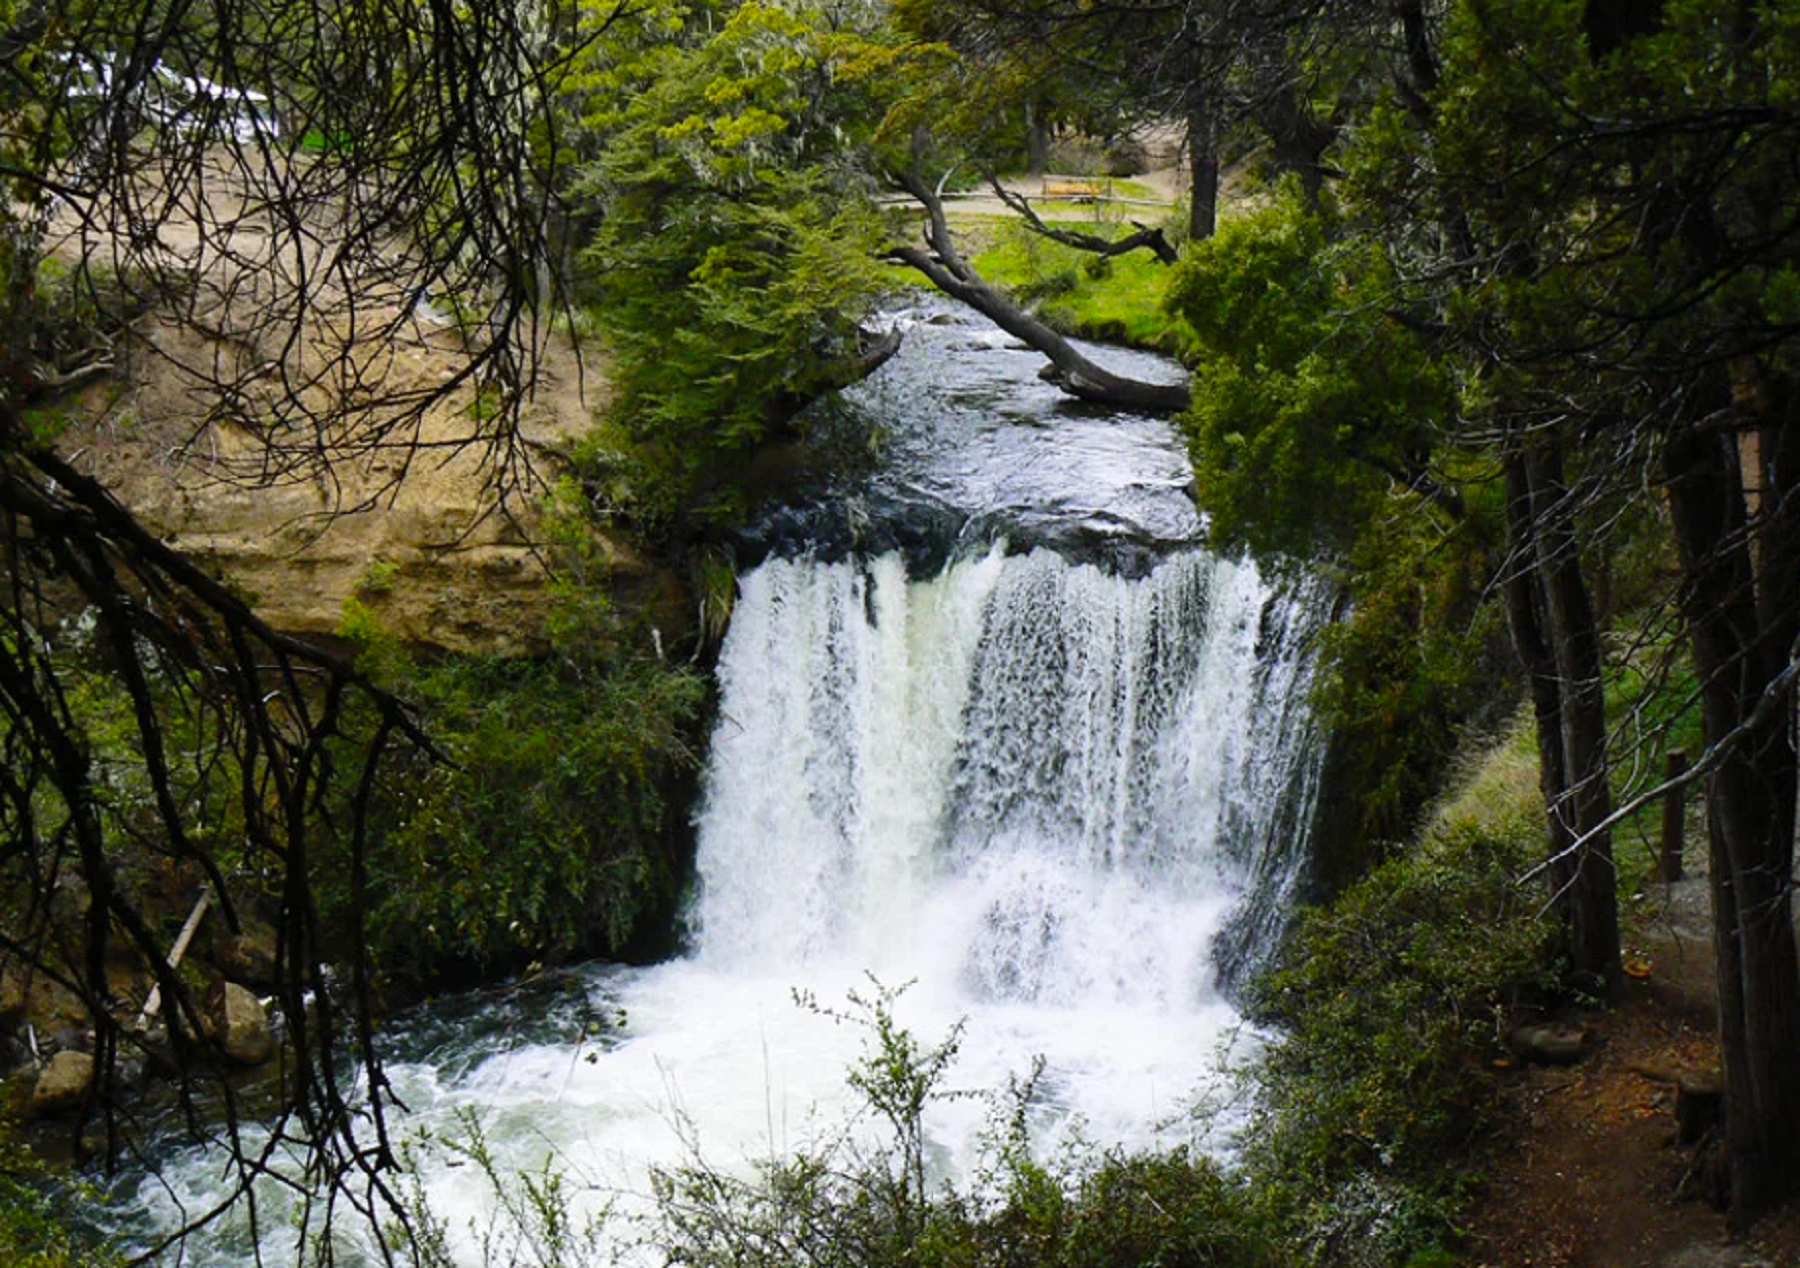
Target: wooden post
1674, 818
1699, 1105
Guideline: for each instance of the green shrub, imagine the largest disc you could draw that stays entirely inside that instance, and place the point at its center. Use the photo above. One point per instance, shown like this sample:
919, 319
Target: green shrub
1392, 1001
35, 1230
547, 831
1049, 285
1167, 1209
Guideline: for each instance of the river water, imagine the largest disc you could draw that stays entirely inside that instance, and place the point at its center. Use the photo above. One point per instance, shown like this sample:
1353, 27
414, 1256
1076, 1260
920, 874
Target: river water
993, 729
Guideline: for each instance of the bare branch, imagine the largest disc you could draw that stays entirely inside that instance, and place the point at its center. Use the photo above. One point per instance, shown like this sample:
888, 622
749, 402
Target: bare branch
1145, 239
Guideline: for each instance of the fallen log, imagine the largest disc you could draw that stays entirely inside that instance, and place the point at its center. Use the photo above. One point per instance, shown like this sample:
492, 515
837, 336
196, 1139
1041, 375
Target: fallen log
1077, 374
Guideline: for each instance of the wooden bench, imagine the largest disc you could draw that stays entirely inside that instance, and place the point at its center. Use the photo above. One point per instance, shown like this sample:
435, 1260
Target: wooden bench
1080, 191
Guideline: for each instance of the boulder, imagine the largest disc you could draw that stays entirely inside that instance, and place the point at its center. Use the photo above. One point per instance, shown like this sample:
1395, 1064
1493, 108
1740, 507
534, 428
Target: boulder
1549, 1044
63, 1083
1127, 156
239, 1023
249, 956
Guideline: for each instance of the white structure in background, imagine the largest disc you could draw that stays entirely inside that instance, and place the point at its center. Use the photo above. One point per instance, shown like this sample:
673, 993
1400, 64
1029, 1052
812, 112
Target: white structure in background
185, 104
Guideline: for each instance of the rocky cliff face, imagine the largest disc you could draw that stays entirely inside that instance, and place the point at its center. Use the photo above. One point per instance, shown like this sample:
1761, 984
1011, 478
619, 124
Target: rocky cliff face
430, 534
435, 537
290, 406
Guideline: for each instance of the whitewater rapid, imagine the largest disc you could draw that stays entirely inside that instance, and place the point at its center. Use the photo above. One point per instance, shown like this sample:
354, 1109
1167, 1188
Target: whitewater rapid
1033, 793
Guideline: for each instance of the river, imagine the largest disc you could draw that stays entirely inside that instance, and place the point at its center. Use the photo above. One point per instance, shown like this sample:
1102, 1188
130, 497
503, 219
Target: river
997, 736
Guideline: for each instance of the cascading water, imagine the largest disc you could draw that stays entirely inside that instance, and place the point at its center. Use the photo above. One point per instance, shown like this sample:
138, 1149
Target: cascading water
1043, 786
1011, 773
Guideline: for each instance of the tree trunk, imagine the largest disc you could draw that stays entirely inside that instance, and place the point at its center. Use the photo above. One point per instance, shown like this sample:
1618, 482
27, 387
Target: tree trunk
1422, 74
1558, 641
1525, 617
1591, 896
1037, 140
1299, 139
1751, 817
1203, 165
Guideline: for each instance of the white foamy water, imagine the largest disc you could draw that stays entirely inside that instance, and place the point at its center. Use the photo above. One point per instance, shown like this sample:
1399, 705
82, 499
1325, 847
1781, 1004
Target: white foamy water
1035, 790
1027, 787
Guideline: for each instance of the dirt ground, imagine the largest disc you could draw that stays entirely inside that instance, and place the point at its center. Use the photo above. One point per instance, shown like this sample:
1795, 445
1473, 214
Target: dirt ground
1588, 1174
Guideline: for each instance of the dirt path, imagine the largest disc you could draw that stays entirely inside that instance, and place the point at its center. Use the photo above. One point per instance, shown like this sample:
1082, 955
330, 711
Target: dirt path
1588, 1174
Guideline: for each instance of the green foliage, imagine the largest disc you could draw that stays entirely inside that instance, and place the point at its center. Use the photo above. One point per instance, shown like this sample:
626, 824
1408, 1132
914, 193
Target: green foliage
1402, 670
1587, 297
1652, 706
1169, 1209
1388, 1002
1050, 285
547, 835
1310, 402
122, 794
715, 581
35, 1229
378, 577
737, 242
547, 830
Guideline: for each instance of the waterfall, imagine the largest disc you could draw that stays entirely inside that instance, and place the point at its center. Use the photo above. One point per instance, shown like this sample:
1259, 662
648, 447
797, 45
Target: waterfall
1034, 780
1061, 791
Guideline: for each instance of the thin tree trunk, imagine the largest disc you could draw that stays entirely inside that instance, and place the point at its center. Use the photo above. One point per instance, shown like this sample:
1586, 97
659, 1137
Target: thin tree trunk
1037, 140
1587, 885
1203, 165
1556, 640
1525, 617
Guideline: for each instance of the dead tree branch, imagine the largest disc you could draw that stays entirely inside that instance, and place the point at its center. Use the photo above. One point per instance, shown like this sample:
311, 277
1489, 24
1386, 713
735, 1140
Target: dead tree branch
944, 266
1146, 238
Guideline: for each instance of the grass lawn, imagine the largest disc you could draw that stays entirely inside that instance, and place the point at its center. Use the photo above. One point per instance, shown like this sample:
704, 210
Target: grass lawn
1115, 301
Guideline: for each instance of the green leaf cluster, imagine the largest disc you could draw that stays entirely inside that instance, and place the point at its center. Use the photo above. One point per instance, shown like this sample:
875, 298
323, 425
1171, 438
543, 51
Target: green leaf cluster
545, 826
1626, 216
1311, 402
737, 239
546, 833
549, 835
36, 1230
